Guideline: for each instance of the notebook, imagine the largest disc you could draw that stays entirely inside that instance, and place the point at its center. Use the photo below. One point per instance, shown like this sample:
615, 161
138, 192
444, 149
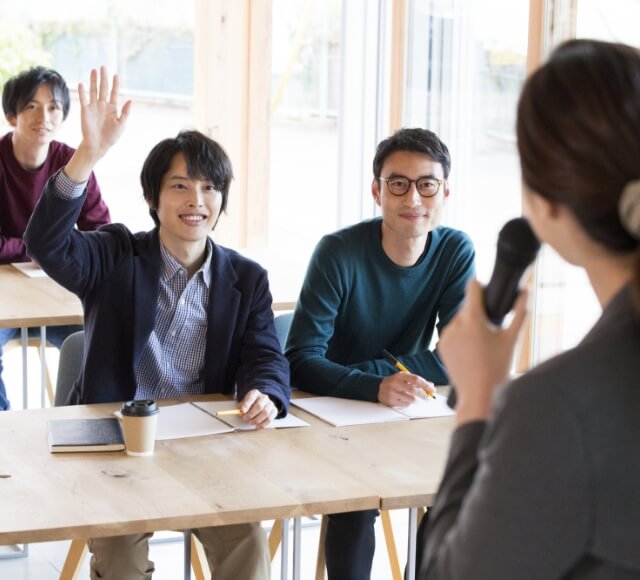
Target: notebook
30, 269
239, 424
77, 435
196, 419
341, 412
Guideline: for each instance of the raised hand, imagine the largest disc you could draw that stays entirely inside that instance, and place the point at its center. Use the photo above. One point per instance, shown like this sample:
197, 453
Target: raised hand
100, 123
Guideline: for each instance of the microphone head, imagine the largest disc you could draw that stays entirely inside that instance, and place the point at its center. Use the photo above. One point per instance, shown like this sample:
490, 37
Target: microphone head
517, 244
517, 248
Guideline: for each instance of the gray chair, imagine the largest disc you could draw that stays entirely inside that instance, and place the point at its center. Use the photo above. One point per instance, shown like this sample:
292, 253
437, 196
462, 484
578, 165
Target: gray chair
283, 323
69, 366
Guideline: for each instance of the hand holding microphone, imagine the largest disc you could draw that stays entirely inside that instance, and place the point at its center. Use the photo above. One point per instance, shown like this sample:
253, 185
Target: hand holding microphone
474, 352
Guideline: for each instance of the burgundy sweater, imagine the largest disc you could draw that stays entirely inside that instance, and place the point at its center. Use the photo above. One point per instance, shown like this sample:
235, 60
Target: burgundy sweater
20, 189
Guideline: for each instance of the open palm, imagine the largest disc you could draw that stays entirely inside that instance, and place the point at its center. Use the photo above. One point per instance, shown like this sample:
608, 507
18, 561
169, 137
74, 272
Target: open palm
100, 123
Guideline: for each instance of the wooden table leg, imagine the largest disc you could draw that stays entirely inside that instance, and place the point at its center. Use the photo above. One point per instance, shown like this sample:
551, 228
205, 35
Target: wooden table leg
199, 560
73, 561
320, 561
275, 535
396, 574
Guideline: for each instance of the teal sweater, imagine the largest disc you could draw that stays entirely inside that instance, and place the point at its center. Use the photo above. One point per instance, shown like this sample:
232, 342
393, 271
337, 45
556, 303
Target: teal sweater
355, 302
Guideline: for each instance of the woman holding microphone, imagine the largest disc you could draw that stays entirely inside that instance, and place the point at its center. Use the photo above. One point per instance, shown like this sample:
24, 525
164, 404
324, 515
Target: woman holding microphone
543, 475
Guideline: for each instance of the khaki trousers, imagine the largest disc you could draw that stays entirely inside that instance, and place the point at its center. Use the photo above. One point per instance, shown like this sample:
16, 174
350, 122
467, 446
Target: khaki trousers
233, 552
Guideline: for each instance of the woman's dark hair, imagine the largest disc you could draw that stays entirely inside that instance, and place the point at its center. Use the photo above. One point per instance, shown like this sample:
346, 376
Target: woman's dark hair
416, 141
578, 129
19, 90
205, 159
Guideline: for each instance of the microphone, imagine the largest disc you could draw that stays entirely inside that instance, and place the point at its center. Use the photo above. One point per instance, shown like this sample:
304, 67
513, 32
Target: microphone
517, 248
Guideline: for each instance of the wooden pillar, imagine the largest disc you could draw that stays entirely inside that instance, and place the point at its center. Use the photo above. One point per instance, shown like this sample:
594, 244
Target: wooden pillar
535, 42
398, 49
535, 55
232, 96
550, 23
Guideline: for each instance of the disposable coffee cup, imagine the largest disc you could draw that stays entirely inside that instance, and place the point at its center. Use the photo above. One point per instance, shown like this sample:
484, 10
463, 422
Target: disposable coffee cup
139, 423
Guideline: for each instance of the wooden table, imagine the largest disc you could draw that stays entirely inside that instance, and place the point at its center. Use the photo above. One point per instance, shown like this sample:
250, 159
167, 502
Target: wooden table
419, 448
208, 481
402, 462
31, 302
188, 483
35, 301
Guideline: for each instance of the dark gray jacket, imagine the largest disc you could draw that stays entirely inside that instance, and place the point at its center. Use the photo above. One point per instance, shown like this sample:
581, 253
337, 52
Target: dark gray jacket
549, 488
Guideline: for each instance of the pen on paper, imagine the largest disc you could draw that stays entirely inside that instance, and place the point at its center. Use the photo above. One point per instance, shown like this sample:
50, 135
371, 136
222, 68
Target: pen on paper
396, 363
230, 412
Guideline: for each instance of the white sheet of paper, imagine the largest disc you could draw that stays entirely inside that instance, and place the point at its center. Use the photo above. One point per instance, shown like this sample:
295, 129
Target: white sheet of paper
239, 424
343, 412
30, 269
187, 420
427, 408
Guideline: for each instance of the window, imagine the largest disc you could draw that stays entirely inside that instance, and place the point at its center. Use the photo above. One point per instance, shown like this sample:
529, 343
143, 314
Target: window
325, 123
566, 306
305, 110
149, 43
300, 92
464, 71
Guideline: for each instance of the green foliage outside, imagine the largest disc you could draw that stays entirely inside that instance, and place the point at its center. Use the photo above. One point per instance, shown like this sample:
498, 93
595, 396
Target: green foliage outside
20, 48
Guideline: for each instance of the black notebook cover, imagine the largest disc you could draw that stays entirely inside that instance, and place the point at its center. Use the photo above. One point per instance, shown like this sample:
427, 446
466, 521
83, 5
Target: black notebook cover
69, 435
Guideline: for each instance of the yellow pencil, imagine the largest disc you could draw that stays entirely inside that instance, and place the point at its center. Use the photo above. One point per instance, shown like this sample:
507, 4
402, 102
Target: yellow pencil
396, 363
230, 412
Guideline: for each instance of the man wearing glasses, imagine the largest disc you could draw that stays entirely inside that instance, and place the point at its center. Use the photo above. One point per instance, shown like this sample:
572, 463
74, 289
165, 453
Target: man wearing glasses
384, 284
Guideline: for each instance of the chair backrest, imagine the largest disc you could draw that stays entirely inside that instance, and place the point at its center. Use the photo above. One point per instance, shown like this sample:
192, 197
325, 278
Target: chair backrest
283, 323
71, 353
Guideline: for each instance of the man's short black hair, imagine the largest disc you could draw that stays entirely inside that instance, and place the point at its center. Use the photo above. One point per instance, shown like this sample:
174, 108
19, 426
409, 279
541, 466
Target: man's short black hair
204, 157
416, 141
19, 90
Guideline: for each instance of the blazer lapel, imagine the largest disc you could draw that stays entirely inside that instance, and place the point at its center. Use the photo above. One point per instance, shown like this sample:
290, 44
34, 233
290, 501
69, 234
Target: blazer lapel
224, 302
147, 269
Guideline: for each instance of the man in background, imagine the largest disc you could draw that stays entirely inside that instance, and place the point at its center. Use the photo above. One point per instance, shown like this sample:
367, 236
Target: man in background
35, 103
383, 284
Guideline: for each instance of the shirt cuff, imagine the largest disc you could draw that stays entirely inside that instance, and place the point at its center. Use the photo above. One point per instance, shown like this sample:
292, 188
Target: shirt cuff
66, 188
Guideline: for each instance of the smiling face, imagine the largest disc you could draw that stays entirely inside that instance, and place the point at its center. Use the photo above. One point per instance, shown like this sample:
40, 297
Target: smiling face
39, 121
188, 209
409, 216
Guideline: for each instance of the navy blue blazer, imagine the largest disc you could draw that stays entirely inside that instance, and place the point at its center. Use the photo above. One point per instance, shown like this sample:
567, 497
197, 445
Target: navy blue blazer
117, 273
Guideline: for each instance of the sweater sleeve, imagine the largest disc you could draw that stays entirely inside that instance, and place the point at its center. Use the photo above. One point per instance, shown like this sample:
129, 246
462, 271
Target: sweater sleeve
12, 249
50, 227
458, 269
322, 294
93, 214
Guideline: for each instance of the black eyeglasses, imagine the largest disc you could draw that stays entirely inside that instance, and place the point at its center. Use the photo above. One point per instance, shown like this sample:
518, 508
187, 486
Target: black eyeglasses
426, 186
